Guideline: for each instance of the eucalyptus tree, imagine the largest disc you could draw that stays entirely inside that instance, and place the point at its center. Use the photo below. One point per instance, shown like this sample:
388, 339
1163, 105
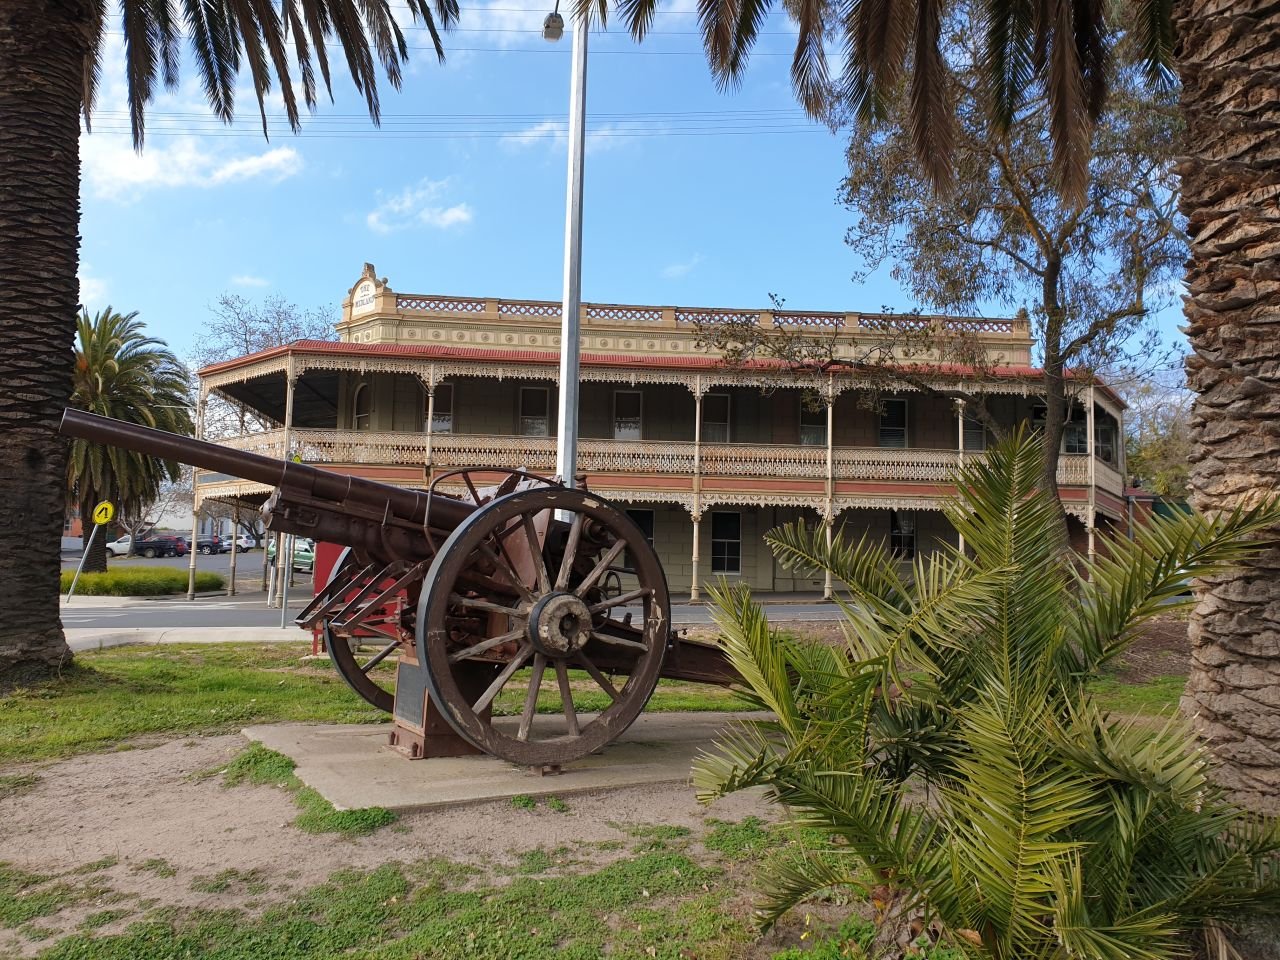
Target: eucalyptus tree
122, 373
51, 53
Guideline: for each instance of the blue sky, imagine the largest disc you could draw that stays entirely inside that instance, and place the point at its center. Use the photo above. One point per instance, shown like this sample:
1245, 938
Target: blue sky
693, 196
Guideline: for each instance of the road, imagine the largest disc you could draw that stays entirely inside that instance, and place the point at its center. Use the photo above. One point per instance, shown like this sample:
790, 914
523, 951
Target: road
249, 608
251, 611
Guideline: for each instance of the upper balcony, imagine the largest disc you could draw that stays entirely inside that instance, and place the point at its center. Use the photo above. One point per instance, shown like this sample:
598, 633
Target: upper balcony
634, 459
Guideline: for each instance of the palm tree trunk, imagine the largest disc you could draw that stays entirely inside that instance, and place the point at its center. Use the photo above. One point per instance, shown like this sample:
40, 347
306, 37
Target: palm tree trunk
42, 50
1230, 193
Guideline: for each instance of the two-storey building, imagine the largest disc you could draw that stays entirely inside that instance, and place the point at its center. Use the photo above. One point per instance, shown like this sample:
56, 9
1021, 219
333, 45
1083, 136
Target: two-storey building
706, 456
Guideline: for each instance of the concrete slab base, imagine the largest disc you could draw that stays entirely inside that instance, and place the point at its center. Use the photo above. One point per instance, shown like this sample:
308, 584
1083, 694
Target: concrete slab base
351, 766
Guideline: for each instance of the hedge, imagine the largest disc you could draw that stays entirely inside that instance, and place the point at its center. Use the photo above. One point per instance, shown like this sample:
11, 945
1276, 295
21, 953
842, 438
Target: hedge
140, 582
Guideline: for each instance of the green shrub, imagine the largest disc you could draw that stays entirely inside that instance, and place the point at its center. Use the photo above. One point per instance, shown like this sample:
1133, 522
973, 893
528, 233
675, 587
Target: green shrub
140, 582
955, 748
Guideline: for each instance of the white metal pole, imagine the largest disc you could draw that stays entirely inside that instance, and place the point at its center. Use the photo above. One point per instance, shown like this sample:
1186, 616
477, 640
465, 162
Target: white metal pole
195, 499
284, 586
570, 336
83, 557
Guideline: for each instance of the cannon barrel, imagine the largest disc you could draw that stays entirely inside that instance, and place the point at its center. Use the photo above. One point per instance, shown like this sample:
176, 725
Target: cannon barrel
380, 518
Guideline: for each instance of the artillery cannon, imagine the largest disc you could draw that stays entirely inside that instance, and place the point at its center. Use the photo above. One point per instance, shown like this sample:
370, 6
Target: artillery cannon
469, 591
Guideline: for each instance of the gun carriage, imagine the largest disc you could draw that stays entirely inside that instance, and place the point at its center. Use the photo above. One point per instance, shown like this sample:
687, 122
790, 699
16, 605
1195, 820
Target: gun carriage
495, 590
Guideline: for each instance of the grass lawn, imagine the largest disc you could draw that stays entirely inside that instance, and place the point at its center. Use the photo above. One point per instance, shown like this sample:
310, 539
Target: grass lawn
110, 696
1158, 696
113, 695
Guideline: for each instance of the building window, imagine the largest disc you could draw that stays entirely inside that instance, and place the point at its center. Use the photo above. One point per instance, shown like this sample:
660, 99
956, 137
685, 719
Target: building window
626, 415
644, 520
893, 423
1075, 432
361, 405
813, 421
715, 418
442, 409
975, 434
902, 534
1104, 439
726, 543
1075, 438
534, 406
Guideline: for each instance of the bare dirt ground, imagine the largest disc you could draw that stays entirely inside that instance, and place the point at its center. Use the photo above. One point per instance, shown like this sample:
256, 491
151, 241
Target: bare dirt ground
164, 825
1161, 650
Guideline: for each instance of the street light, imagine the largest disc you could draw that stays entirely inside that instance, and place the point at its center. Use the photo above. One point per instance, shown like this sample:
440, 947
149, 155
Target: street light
553, 26
570, 338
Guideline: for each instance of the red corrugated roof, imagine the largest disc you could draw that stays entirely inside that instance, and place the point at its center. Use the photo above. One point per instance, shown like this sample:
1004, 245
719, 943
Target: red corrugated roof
432, 351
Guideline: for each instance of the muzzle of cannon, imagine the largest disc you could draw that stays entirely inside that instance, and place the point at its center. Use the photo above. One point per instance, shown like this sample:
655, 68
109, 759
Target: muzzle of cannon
499, 605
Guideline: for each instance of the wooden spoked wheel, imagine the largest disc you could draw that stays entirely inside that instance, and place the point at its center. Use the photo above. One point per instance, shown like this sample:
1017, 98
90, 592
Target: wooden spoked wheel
516, 587
361, 618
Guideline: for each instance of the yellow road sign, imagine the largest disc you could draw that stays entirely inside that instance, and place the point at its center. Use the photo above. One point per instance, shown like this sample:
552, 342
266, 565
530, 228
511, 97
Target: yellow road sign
104, 512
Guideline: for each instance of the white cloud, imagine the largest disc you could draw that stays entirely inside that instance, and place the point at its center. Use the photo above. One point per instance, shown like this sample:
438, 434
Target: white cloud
112, 168
548, 131
674, 271
555, 134
249, 280
93, 290
417, 206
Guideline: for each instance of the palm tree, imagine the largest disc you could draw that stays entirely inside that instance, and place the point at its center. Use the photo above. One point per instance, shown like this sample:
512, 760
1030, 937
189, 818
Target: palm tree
1225, 60
954, 750
50, 51
122, 373
1230, 195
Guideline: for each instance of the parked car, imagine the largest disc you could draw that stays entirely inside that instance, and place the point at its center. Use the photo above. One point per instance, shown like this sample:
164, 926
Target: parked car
245, 542
209, 545
120, 547
160, 546
304, 554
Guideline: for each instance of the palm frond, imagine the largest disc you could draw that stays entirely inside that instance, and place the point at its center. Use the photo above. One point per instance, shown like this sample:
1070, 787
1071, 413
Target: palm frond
809, 75
216, 54
1152, 27
1070, 127
866, 566
91, 69
1142, 577
1144, 935
1017, 814
795, 880
138, 22
1007, 57
931, 119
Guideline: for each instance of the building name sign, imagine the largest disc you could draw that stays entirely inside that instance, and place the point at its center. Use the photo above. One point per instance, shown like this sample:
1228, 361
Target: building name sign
365, 297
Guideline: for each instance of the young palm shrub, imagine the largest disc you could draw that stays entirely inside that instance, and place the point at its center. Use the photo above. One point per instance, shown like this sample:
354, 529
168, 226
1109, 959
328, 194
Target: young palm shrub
953, 749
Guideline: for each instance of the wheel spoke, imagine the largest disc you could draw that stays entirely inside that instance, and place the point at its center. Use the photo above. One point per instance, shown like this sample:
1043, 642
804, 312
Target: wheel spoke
618, 641
570, 552
501, 679
380, 656
485, 645
504, 566
621, 599
531, 699
566, 698
535, 551
610, 555
475, 603
597, 676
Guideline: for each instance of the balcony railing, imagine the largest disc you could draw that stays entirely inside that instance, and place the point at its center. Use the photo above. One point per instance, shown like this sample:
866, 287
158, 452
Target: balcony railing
677, 458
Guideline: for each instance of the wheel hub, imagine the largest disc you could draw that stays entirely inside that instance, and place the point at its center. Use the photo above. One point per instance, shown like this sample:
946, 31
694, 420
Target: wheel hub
559, 625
